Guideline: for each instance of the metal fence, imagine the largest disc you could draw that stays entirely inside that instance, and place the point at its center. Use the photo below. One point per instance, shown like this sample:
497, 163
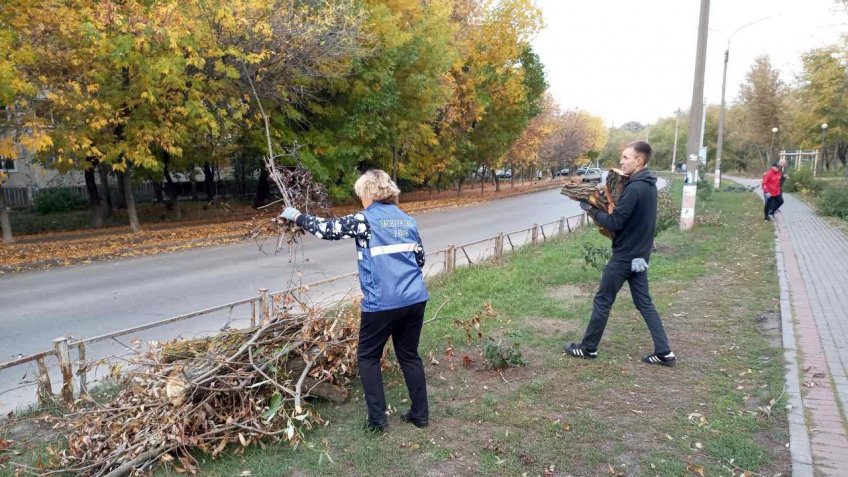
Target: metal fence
21, 197
70, 369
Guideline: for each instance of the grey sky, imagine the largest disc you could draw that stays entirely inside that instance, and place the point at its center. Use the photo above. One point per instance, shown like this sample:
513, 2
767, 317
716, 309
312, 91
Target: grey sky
634, 60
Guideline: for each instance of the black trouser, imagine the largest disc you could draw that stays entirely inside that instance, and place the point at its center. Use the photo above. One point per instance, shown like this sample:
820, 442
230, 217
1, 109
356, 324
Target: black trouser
404, 326
615, 274
776, 203
772, 204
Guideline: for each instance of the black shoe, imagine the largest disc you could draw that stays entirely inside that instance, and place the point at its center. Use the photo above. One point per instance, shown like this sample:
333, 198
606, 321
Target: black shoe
667, 359
579, 351
419, 423
376, 428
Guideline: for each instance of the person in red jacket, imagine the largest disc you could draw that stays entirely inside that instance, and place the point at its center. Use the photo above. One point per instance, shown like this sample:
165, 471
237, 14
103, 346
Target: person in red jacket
771, 189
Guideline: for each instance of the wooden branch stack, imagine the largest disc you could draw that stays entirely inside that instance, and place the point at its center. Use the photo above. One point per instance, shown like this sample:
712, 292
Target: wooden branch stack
237, 388
603, 197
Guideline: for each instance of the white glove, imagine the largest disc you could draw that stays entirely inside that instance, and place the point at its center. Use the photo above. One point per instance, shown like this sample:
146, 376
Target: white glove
290, 214
638, 265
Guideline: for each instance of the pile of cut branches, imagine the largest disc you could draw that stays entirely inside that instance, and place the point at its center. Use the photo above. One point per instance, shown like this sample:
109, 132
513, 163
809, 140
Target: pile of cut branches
241, 387
602, 197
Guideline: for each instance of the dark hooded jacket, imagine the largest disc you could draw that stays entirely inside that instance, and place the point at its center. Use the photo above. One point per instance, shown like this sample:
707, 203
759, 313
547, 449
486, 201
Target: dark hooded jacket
634, 219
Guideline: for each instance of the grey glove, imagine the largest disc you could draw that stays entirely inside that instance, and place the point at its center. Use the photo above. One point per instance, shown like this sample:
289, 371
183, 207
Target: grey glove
585, 205
767, 195
290, 214
638, 265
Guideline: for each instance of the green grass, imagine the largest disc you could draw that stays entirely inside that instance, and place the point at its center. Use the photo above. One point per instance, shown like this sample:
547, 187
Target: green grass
581, 417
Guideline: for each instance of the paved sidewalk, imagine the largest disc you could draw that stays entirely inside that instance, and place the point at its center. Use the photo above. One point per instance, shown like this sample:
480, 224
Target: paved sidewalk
813, 270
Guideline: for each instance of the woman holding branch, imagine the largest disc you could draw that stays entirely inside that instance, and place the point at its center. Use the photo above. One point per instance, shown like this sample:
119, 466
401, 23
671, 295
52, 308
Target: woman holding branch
390, 257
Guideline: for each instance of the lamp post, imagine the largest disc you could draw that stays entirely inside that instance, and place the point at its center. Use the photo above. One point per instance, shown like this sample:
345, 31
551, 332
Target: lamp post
771, 148
821, 151
720, 142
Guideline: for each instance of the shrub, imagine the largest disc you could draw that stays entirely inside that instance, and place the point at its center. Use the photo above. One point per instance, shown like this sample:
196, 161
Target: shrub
58, 200
705, 189
834, 200
500, 356
596, 257
803, 181
668, 214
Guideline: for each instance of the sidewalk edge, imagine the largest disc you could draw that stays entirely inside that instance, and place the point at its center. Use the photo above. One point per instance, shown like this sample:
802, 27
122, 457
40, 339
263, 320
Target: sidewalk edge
799, 437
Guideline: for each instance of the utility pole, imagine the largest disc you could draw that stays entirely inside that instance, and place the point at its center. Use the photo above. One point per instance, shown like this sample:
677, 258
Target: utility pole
717, 178
674, 151
687, 212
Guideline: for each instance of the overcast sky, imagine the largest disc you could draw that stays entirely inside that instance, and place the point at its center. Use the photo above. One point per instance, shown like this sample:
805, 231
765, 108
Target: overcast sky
634, 60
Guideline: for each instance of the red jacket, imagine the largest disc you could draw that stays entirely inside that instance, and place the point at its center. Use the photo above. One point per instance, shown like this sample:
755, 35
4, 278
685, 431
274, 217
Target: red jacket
771, 181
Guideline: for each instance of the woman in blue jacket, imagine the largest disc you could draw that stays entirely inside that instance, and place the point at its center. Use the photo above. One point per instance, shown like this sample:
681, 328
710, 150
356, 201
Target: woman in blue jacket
390, 257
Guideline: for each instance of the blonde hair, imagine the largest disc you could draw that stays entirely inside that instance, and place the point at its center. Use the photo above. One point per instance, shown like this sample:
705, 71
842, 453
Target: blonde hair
377, 186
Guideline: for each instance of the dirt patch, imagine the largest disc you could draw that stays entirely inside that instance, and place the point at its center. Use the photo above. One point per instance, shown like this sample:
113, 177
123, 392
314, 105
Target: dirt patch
554, 326
568, 293
769, 324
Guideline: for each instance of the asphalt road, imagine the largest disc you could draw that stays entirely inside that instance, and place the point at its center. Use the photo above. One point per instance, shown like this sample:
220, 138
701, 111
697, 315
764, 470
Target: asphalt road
89, 300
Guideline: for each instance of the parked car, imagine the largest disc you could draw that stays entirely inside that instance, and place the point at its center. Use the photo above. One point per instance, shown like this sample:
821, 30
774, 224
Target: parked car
562, 172
504, 173
593, 174
582, 170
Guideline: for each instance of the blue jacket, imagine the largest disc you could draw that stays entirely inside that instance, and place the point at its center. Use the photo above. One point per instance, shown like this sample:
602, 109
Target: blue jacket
389, 250
388, 270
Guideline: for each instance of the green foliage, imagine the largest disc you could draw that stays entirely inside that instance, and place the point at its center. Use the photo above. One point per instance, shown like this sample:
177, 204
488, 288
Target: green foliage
499, 356
834, 200
803, 181
705, 189
57, 201
668, 213
596, 257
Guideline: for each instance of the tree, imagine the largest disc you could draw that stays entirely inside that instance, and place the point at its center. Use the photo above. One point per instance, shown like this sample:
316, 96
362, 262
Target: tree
761, 98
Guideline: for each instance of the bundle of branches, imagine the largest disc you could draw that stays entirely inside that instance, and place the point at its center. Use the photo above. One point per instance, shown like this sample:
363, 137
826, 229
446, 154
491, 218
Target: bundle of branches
299, 190
241, 387
603, 197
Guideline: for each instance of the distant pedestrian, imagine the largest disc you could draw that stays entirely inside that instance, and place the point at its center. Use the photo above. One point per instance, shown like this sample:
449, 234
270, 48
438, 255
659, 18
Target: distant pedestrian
633, 221
394, 295
783, 176
771, 190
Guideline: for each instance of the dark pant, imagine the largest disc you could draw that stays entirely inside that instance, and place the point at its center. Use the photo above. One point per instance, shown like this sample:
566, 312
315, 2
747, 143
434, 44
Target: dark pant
772, 204
615, 274
404, 326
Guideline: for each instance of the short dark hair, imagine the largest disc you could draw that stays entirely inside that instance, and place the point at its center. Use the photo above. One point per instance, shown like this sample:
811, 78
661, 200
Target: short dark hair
641, 148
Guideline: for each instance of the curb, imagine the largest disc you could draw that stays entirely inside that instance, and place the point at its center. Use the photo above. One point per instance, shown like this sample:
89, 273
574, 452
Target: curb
799, 436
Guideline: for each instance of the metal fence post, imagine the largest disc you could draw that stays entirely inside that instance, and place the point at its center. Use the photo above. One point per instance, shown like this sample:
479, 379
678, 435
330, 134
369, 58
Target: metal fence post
263, 306
561, 230
45, 389
61, 345
82, 369
534, 235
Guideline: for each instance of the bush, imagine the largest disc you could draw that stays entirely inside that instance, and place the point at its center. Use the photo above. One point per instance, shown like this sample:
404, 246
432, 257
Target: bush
705, 189
834, 200
803, 181
58, 200
668, 214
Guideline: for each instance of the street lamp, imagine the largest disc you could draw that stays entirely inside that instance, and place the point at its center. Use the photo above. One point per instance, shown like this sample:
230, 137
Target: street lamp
824, 135
717, 180
771, 148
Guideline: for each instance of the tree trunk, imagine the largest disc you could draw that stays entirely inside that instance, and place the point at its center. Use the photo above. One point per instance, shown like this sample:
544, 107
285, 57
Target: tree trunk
93, 198
394, 162
459, 188
130, 199
262, 189
497, 183
208, 181
104, 184
5, 225
171, 188
122, 191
